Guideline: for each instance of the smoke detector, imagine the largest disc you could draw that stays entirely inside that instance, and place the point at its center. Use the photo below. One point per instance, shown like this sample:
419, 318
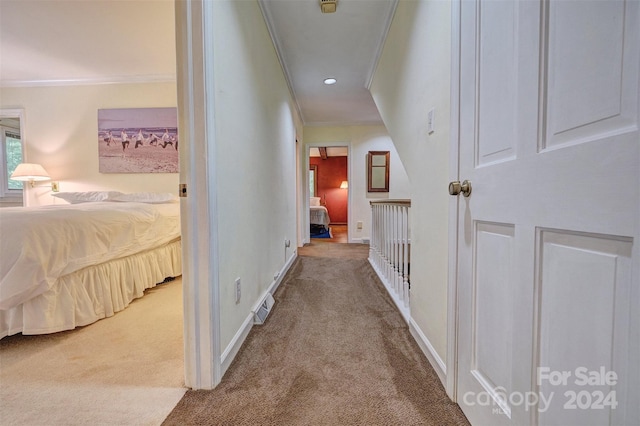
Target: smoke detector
328, 6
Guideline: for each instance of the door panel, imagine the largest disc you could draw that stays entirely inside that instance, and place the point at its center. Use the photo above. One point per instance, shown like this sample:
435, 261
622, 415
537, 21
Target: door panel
588, 81
493, 303
548, 257
497, 53
584, 284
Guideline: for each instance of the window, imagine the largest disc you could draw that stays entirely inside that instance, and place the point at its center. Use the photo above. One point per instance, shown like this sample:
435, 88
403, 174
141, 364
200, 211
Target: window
10, 157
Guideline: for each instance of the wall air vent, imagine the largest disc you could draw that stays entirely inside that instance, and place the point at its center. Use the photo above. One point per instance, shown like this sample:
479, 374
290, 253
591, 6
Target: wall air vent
260, 314
328, 6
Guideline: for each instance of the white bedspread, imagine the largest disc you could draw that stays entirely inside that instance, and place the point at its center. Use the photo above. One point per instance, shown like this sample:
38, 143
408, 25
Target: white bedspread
40, 244
319, 215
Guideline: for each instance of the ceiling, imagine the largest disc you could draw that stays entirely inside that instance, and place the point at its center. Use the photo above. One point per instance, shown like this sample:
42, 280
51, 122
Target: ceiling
331, 151
345, 45
93, 41
89, 41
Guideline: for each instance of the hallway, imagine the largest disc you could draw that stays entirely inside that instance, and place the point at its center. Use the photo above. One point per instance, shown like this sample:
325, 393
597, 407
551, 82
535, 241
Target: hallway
333, 351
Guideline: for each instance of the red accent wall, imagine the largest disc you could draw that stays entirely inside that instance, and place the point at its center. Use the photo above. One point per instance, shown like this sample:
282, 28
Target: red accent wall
331, 173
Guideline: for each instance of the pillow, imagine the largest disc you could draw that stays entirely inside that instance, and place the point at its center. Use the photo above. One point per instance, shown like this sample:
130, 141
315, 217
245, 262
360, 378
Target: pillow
86, 197
146, 197
314, 201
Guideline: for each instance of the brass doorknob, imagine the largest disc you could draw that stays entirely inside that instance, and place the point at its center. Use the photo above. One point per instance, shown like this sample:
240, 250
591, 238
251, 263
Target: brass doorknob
456, 187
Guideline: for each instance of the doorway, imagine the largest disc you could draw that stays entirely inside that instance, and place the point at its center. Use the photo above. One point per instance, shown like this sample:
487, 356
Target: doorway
329, 197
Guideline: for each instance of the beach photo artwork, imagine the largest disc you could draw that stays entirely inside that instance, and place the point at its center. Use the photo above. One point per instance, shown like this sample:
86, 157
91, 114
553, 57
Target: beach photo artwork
138, 140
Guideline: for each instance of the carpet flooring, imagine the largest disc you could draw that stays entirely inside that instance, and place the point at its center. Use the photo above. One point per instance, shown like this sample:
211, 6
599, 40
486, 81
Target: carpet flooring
123, 370
334, 351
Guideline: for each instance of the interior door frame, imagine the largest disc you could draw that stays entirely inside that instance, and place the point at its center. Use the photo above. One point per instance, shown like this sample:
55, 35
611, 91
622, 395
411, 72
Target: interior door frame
451, 372
305, 176
198, 210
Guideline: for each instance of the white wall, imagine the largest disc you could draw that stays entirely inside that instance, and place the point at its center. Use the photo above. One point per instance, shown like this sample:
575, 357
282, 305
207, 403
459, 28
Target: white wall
363, 139
61, 124
412, 77
255, 157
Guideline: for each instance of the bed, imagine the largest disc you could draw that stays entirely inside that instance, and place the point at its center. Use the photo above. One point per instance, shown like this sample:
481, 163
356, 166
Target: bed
318, 216
65, 266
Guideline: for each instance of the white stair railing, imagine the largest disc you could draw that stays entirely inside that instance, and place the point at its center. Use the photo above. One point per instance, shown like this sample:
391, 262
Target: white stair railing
389, 249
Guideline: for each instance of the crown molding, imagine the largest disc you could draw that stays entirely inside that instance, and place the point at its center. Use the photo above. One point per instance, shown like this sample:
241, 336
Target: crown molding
387, 25
266, 15
124, 79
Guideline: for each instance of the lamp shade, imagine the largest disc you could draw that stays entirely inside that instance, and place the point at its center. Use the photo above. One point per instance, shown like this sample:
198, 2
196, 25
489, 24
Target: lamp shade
344, 184
30, 172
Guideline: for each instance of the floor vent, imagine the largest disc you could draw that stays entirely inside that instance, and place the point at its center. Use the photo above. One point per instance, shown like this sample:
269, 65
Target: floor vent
260, 314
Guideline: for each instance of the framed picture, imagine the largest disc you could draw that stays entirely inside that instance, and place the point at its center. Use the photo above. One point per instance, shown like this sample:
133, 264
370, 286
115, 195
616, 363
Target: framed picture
378, 171
138, 140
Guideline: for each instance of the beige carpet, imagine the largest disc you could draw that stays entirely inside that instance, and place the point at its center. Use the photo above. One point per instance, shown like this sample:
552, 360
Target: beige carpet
334, 351
321, 248
123, 370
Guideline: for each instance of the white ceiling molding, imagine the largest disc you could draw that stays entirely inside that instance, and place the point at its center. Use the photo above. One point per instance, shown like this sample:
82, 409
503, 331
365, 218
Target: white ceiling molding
266, 14
133, 79
387, 26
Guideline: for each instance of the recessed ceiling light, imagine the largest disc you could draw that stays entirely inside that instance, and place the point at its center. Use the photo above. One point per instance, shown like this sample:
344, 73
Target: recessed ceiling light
330, 81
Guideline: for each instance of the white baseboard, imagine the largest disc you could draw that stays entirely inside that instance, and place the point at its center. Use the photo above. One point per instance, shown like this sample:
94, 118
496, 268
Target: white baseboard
364, 240
427, 348
276, 283
232, 349
234, 346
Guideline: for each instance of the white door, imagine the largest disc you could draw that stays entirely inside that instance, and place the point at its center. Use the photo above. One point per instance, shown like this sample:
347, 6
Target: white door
549, 239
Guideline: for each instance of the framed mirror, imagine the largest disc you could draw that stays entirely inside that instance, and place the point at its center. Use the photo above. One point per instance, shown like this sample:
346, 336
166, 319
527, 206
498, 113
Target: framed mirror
313, 180
378, 171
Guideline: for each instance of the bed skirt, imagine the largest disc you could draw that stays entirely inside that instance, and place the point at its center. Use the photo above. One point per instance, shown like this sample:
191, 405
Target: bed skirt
85, 296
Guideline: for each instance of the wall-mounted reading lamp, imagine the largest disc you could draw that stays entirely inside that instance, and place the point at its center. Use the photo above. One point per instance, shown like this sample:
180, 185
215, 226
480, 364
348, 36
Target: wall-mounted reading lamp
32, 173
344, 184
